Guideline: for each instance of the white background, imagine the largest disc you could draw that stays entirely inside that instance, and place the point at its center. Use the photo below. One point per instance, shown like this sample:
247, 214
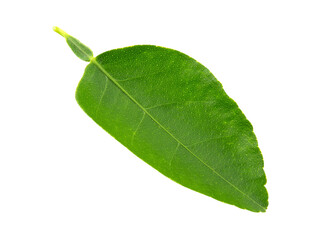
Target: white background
63, 177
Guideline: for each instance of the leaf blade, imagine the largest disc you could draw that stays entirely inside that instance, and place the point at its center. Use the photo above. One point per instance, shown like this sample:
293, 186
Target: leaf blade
120, 68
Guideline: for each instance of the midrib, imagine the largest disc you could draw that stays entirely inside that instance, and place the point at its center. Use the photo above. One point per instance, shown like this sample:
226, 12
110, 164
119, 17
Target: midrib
93, 60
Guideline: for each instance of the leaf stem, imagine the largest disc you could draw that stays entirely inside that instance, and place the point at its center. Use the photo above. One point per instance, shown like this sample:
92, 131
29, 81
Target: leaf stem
61, 32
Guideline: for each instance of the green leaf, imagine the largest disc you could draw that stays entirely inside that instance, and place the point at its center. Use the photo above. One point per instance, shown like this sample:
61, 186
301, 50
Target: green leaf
170, 111
79, 49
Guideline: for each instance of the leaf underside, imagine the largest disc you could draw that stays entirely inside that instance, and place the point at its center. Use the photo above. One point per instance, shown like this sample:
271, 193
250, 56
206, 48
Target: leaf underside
170, 111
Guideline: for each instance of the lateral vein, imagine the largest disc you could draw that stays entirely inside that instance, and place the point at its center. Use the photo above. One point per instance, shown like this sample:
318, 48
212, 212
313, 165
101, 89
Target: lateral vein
102, 95
138, 126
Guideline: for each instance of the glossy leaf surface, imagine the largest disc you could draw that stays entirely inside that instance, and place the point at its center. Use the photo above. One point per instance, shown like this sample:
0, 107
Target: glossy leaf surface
171, 112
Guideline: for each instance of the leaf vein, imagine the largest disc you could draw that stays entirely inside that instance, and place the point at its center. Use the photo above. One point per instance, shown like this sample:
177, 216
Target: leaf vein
137, 128
174, 153
184, 102
102, 95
